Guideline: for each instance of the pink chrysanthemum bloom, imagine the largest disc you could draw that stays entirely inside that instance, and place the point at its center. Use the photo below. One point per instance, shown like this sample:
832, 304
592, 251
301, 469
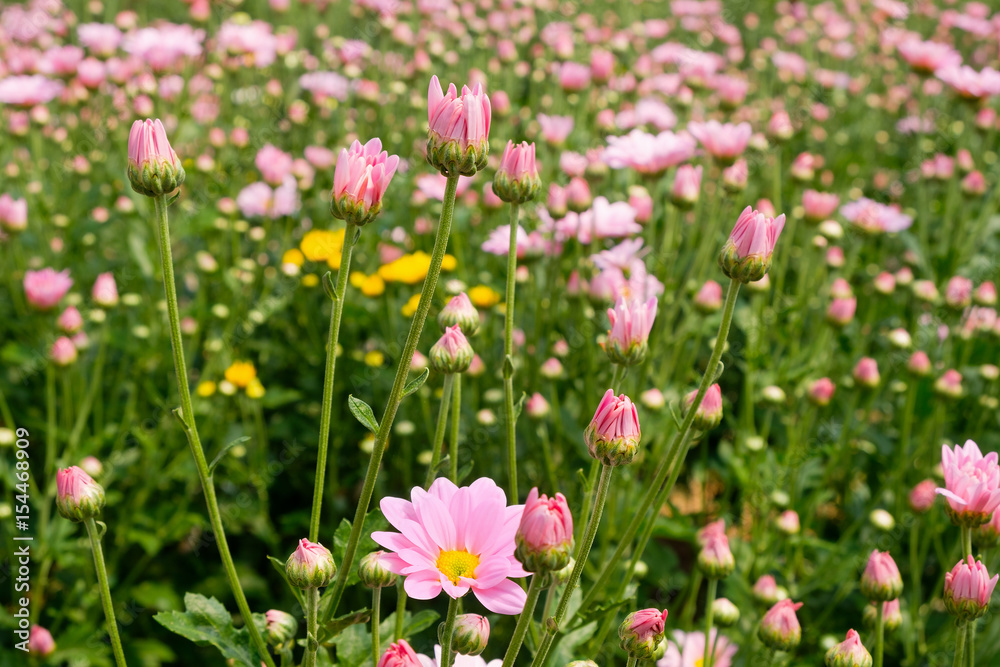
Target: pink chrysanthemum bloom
881, 580
458, 140
928, 57
819, 206
970, 84
972, 484
400, 654
555, 129
875, 218
780, 629
78, 496
628, 338
747, 254
687, 649
647, 153
153, 167
45, 288
545, 534
968, 589
723, 141
360, 180
456, 539
516, 181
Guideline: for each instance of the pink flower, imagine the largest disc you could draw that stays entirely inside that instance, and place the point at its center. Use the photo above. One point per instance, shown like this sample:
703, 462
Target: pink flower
27, 91
456, 539
881, 580
780, 629
545, 535
642, 631
949, 384
841, 311
45, 288
78, 497
516, 180
101, 39
866, 373
970, 84
70, 320
274, 164
165, 46
968, 589
735, 176
459, 128
452, 353
687, 186
400, 654
432, 185
715, 558
788, 522
709, 413
922, 496
747, 254
153, 166
958, 293
688, 650
849, 652
628, 338
647, 153
780, 125
972, 483
360, 180
555, 129
573, 76
821, 391
105, 291
641, 202
724, 142
40, 642
13, 213
819, 205
310, 566
613, 434
928, 57
709, 297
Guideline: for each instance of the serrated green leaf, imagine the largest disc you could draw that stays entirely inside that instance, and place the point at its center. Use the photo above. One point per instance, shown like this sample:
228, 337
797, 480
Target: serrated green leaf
222, 453
206, 621
363, 413
416, 383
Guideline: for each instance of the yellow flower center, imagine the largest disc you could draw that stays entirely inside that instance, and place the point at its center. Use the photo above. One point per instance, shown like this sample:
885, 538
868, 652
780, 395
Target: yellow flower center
455, 564
700, 662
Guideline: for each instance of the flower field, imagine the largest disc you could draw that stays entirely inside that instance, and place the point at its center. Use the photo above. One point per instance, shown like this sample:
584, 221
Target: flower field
446, 333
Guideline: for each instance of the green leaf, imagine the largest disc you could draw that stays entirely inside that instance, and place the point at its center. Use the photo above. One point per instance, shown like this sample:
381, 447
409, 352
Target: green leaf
222, 453
329, 287
341, 623
279, 565
520, 405
363, 413
416, 383
206, 621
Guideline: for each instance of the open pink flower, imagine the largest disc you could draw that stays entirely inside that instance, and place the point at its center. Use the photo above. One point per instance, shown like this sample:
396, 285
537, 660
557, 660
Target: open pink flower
456, 539
873, 217
724, 142
459, 128
45, 288
968, 588
647, 153
972, 483
687, 649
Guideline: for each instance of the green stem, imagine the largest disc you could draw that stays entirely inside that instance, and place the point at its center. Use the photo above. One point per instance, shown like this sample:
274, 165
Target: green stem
709, 599
442, 424
191, 430
508, 352
880, 633
88, 401
966, 542
574, 578
312, 627
960, 646
456, 408
632, 661
970, 643
400, 610
337, 310
102, 582
376, 607
396, 394
447, 655
524, 620
670, 461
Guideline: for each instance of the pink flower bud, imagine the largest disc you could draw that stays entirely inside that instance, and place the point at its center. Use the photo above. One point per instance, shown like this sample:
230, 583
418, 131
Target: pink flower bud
780, 629
105, 291
849, 653
803, 167
281, 627
841, 311
687, 186
458, 138
613, 434
153, 167
459, 311
544, 537
310, 566
881, 580
735, 176
92, 466
972, 484
767, 591
922, 496
709, 413
885, 283
44, 289
715, 559
399, 654
471, 634
578, 195
974, 184
788, 522
516, 181
40, 642
779, 127
360, 180
536, 406
866, 373
78, 497
958, 293
819, 206
747, 254
821, 391
452, 353
551, 369
641, 633
63, 352
639, 199
949, 384
986, 294
709, 297
13, 213
70, 320
968, 588
374, 572
419, 362
557, 202
919, 364
628, 338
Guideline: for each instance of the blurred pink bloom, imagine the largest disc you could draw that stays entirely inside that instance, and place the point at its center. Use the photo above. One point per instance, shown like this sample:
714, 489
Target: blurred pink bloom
573, 76
641, 202
456, 539
555, 129
709, 297
324, 85
687, 185
841, 311
724, 142
101, 39
866, 373
45, 288
958, 292
105, 291
873, 217
819, 205
13, 213
28, 90
922, 496
70, 320
274, 164
972, 483
255, 38
821, 391
164, 46
928, 57
40, 642
63, 352
498, 243
687, 649
968, 83
647, 153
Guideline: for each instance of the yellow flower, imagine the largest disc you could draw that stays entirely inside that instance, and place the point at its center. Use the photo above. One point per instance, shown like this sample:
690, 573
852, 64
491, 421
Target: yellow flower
206, 388
320, 245
310, 280
448, 263
357, 278
293, 256
255, 389
374, 358
411, 306
483, 296
372, 286
240, 373
409, 269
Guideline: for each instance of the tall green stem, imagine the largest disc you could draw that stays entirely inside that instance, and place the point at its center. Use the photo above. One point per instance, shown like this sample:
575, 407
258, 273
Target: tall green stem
312, 627
336, 311
709, 609
632, 662
960, 645
442, 424
456, 413
524, 620
396, 394
672, 460
376, 608
880, 633
102, 583
508, 354
574, 578
447, 655
191, 430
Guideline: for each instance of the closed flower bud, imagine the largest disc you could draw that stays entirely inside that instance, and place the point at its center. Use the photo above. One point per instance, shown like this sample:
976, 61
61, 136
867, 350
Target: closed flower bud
551, 369
735, 177
460, 311
153, 167
849, 653
452, 353
63, 352
882, 519
78, 497
517, 181
641, 633
767, 591
472, 633
715, 559
281, 627
709, 413
725, 613
92, 466
70, 321
841, 311
922, 496
360, 180
536, 406
949, 384
780, 629
40, 642
628, 338
866, 373
459, 129
881, 580
578, 195
687, 186
544, 537
373, 572
709, 297
310, 566
788, 522
821, 391
892, 618
919, 364
746, 257
105, 292
613, 434
968, 588
400, 654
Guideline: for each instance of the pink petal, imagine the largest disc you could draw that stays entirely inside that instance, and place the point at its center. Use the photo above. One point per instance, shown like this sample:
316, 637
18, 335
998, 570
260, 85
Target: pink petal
504, 598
